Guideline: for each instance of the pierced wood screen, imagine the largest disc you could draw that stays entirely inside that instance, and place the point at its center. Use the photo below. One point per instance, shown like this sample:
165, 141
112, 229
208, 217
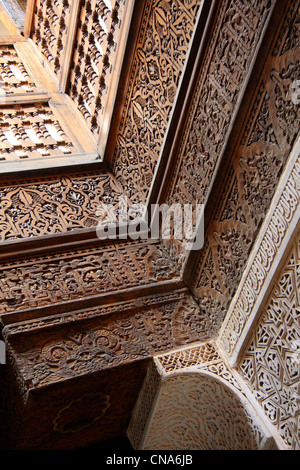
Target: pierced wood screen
14, 78
93, 57
49, 29
31, 130
39, 127
83, 42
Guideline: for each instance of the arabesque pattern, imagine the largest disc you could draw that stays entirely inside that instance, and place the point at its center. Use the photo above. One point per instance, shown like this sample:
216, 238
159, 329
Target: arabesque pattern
271, 361
159, 58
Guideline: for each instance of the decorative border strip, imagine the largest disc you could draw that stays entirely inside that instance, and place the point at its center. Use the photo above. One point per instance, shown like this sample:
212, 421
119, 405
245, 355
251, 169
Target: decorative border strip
276, 233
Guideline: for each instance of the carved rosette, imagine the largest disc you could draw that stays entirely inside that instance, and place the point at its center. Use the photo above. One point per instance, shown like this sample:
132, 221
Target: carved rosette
81, 413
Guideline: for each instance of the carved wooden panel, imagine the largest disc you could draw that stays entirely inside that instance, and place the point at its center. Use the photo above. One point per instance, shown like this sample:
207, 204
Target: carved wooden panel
163, 41
49, 205
233, 43
95, 355
252, 178
73, 275
40, 128
102, 337
271, 362
76, 413
193, 394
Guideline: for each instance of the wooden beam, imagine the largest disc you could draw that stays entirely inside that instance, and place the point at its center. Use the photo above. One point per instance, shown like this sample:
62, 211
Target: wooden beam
23, 98
11, 39
7, 21
115, 77
62, 162
68, 50
29, 18
119, 99
185, 93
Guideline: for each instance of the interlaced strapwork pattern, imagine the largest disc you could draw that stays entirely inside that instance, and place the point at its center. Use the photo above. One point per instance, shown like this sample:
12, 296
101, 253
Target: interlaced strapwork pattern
271, 363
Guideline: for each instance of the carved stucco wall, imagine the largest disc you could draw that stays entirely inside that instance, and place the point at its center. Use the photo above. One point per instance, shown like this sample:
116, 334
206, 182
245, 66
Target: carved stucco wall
197, 404
259, 342
270, 363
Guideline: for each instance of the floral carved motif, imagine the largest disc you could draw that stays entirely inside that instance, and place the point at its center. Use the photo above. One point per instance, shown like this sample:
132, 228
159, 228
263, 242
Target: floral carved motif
255, 169
228, 61
54, 205
283, 215
232, 45
162, 46
72, 350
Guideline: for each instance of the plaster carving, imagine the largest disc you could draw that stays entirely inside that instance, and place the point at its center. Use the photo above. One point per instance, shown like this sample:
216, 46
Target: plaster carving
199, 405
270, 363
282, 216
196, 412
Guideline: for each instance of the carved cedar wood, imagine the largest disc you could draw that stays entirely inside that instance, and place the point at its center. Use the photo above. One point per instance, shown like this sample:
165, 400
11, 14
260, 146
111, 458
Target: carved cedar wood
254, 169
82, 319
